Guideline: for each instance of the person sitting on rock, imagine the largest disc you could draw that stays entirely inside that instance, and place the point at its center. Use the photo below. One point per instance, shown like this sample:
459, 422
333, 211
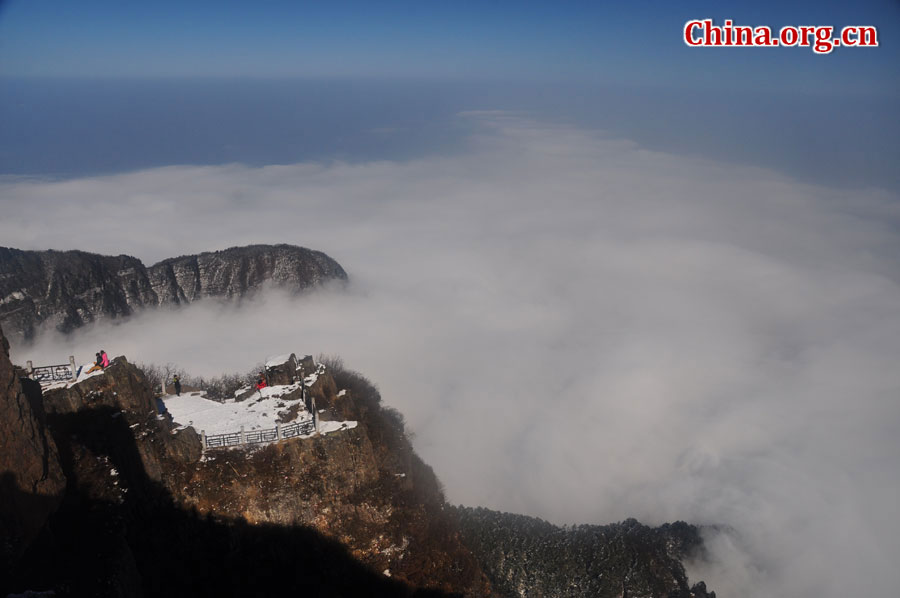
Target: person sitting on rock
261, 381
104, 358
177, 382
98, 364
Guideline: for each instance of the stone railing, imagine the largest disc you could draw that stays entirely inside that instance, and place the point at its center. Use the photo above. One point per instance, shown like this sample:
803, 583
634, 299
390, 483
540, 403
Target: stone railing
276, 434
47, 374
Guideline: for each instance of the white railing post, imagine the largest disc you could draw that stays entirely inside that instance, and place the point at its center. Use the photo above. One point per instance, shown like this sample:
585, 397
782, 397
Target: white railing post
278, 431
243, 436
72, 365
203, 440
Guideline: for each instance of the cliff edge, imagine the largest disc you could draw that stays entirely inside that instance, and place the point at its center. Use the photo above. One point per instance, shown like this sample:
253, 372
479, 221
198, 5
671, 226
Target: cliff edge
340, 506
31, 479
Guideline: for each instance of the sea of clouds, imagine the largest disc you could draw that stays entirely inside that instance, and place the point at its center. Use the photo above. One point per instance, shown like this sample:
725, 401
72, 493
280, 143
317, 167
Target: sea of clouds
575, 328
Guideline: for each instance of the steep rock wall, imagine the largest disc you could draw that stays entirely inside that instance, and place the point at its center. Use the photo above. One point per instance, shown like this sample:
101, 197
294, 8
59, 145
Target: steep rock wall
67, 289
145, 514
364, 487
31, 479
234, 272
351, 513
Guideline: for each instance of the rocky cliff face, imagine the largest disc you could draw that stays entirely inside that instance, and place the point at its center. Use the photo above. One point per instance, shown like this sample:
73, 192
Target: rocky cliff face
235, 272
351, 513
364, 487
67, 289
145, 513
31, 479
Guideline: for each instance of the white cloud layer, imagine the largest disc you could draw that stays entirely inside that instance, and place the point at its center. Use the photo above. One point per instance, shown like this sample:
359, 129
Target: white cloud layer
575, 328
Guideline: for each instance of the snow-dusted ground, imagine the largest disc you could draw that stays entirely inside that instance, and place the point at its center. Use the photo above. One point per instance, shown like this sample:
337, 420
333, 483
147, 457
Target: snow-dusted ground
329, 427
256, 413
259, 412
82, 376
278, 360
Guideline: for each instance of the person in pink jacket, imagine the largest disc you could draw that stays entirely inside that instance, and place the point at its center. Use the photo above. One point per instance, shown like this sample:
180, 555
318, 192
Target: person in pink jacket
105, 358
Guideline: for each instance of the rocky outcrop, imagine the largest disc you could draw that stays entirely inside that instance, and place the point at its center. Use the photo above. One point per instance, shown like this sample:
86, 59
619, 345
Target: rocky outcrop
282, 370
123, 391
235, 272
67, 289
31, 479
351, 513
364, 487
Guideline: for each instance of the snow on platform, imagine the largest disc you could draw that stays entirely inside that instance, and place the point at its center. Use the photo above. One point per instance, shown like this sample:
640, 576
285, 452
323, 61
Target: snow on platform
329, 427
259, 412
82, 376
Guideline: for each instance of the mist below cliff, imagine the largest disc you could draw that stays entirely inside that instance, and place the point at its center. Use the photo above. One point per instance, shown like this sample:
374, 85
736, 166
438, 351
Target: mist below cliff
574, 327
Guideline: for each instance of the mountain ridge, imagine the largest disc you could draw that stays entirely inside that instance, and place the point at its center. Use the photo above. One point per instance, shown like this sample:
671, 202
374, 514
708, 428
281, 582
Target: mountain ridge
68, 289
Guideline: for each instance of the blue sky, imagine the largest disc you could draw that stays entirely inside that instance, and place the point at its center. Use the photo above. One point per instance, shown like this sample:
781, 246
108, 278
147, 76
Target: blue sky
633, 42
102, 86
